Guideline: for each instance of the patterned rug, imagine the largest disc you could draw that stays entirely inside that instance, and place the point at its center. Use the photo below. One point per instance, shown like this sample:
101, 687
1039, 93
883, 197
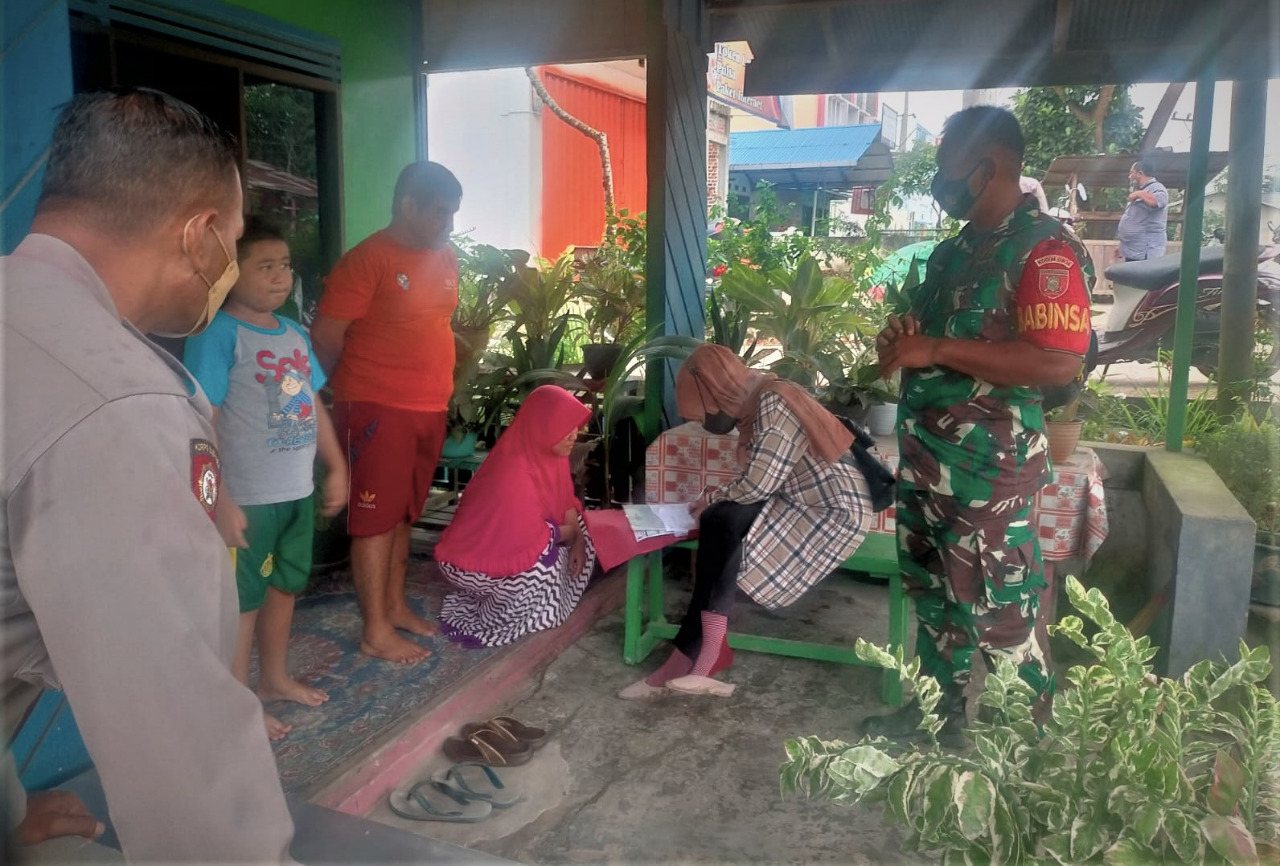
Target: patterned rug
367, 696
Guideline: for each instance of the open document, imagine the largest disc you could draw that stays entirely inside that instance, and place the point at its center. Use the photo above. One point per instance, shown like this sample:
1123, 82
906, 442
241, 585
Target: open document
651, 521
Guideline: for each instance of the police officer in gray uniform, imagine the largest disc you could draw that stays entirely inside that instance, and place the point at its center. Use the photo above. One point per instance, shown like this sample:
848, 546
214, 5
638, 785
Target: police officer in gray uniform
115, 584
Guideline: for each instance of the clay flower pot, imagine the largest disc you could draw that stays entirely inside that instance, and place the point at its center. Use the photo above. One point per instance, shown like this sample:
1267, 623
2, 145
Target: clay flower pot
1063, 437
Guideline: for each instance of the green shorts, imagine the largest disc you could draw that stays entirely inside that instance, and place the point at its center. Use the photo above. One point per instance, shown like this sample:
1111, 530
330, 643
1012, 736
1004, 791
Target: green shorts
279, 554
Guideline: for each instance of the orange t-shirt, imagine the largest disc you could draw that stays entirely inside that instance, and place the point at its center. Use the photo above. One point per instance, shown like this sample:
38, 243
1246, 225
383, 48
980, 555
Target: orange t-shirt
398, 350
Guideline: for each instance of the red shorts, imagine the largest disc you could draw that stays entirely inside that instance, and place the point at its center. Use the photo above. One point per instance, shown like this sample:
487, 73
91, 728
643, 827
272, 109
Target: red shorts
393, 455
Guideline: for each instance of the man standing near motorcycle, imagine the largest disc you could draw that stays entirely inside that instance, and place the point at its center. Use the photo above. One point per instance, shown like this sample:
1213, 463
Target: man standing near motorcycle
1003, 309
1143, 229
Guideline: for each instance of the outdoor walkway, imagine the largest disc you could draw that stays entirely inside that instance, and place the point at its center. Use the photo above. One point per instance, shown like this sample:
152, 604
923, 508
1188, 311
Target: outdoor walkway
681, 778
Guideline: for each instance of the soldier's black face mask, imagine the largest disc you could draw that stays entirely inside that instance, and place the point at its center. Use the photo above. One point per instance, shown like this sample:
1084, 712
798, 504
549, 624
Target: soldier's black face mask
954, 196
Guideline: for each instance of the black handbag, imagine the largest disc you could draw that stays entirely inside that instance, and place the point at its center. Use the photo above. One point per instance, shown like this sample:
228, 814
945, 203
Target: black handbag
881, 483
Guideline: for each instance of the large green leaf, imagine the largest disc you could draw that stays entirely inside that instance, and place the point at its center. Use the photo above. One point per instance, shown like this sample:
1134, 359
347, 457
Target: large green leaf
1228, 781
1129, 852
974, 796
1231, 839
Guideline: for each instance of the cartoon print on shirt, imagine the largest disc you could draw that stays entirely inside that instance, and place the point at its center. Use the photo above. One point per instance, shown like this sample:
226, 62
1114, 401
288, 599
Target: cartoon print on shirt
290, 403
299, 407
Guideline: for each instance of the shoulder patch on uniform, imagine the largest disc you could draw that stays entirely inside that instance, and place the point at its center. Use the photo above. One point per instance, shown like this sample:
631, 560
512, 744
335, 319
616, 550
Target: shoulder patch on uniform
206, 474
1053, 283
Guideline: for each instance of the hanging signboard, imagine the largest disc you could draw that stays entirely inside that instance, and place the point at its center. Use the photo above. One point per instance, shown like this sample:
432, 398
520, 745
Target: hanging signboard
726, 74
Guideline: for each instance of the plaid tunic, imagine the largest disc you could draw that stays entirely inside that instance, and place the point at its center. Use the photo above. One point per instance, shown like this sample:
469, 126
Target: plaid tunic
815, 513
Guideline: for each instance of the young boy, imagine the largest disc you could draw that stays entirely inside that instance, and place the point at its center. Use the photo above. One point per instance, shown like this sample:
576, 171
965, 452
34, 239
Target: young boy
258, 371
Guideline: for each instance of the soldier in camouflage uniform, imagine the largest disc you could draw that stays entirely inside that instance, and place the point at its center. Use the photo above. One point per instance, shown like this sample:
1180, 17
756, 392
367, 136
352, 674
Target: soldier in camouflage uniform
1003, 309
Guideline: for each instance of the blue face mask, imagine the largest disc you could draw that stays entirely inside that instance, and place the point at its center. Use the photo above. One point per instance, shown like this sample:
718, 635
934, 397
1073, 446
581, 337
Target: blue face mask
954, 196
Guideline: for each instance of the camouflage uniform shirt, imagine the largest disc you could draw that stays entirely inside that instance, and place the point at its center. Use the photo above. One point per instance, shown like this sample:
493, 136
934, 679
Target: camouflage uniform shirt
961, 437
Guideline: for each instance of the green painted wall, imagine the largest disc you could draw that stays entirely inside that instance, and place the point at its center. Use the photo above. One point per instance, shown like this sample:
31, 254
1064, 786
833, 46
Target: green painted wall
379, 58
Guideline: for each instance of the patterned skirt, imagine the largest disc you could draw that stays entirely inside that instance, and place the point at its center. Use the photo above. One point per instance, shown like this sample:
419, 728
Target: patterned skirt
495, 611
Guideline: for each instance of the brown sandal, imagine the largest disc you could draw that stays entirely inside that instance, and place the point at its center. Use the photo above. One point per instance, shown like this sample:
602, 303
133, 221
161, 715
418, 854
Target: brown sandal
509, 730
487, 747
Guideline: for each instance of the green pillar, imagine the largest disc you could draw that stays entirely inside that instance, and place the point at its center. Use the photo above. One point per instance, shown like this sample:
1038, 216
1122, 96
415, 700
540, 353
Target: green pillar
1240, 259
676, 114
1192, 226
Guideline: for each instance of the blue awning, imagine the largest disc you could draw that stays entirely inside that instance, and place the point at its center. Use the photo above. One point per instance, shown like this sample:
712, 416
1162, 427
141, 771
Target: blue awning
825, 156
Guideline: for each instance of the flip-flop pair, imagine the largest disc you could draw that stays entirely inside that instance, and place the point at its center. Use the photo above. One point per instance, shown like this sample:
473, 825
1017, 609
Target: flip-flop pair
500, 742
465, 793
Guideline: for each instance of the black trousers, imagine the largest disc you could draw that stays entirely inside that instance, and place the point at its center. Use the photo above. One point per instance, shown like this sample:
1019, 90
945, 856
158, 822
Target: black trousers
721, 530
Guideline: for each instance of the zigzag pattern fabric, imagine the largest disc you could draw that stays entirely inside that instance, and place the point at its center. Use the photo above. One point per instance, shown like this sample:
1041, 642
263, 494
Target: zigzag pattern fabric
496, 611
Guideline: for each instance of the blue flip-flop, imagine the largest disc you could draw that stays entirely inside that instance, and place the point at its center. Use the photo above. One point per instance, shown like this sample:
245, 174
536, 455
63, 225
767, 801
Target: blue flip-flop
470, 780
415, 805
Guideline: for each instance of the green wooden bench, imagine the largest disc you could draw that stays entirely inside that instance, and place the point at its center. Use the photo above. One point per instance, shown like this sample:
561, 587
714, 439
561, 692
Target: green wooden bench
646, 623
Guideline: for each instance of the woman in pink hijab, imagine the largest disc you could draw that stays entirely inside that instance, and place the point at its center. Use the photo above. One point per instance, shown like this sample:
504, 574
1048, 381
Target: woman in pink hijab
517, 550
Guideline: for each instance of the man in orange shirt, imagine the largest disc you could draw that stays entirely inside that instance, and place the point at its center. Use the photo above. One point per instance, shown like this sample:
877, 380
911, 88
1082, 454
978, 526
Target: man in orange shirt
383, 331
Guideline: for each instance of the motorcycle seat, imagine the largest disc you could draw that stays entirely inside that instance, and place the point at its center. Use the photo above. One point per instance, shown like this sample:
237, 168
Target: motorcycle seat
1153, 274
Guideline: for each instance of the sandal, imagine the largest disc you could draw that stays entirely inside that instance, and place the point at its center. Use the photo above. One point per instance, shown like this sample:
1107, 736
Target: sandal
415, 805
509, 729
696, 685
487, 747
466, 779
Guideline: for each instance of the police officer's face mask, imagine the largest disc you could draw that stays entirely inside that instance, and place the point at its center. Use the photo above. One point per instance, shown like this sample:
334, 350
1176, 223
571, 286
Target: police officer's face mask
218, 289
954, 196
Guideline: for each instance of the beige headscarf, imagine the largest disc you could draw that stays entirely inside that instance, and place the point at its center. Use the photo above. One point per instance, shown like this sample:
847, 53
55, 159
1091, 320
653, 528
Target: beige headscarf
713, 372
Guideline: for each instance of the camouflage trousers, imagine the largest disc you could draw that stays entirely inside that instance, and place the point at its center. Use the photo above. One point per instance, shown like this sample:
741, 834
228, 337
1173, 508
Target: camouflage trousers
976, 576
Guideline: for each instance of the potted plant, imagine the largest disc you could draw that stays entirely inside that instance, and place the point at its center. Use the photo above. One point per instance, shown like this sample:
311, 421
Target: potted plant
1062, 428
811, 317
865, 396
727, 322
485, 274
614, 299
539, 302
1244, 454
1130, 767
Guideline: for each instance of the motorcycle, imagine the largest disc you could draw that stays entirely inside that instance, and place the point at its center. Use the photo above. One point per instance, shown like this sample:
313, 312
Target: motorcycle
1141, 322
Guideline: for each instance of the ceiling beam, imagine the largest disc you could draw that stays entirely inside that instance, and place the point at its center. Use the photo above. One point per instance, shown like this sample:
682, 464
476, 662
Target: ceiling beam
1062, 26
884, 71
829, 35
733, 7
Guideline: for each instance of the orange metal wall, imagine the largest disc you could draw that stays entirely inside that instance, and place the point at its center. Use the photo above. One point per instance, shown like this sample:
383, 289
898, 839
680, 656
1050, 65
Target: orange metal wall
572, 188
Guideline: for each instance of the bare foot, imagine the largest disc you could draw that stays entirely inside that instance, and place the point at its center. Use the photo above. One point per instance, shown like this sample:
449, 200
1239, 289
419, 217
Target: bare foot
394, 648
276, 729
291, 690
412, 623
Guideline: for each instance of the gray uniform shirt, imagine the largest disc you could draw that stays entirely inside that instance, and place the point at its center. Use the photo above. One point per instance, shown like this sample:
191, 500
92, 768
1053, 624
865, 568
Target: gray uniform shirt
1143, 229
114, 582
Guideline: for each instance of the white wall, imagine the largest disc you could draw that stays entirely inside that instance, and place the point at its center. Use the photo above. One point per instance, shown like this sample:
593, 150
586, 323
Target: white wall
483, 126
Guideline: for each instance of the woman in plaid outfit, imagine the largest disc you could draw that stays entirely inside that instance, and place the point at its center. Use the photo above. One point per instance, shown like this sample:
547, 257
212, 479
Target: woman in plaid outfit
797, 510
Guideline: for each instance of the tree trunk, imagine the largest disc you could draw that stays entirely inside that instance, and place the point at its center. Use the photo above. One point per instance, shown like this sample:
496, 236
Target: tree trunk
602, 144
1100, 115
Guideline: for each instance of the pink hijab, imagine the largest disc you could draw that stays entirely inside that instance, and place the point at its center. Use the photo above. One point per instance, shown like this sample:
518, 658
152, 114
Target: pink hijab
500, 528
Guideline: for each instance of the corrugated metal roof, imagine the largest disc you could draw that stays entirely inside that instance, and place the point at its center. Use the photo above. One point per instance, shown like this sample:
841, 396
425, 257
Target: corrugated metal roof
819, 146
853, 46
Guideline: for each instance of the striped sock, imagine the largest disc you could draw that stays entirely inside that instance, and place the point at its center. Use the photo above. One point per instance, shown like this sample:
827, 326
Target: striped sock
714, 628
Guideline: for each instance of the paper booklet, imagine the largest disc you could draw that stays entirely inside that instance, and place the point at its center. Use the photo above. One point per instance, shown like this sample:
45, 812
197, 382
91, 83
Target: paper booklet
651, 521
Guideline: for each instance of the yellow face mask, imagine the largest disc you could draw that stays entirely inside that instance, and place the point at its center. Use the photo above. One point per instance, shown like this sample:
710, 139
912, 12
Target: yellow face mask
218, 289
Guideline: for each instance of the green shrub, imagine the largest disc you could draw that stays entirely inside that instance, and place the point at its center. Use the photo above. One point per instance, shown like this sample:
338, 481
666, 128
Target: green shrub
1130, 769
